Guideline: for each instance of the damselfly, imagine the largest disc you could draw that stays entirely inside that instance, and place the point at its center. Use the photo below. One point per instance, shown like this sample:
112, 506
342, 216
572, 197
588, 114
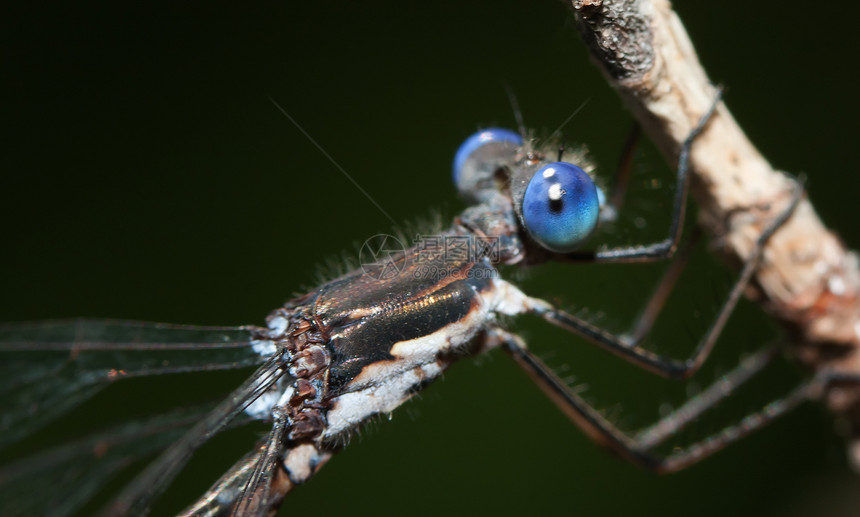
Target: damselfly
141, 293
364, 343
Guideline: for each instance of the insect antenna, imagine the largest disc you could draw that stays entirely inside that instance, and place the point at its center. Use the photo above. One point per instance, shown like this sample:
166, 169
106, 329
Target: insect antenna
515, 107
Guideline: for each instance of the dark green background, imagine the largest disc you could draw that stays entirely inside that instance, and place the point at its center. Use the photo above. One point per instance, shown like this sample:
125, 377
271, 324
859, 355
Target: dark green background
146, 175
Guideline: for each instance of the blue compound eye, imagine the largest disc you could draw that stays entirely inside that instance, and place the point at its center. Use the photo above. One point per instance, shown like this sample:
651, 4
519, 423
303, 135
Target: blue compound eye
480, 155
561, 206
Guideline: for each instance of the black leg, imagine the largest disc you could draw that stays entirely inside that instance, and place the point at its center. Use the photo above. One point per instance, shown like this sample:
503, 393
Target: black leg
592, 423
627, 347
658, 298
604, 433
812, 389
618, 190
665, 248
669, 425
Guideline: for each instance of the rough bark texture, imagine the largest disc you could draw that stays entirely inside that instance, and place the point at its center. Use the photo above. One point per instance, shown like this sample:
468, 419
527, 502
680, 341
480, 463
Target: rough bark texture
807, 279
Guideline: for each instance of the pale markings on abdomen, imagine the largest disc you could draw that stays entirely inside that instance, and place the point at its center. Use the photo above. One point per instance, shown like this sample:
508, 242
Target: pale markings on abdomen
383, 386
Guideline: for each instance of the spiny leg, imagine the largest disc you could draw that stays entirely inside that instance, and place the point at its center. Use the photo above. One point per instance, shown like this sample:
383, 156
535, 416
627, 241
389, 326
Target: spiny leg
603, 432
659, 431
618, 189
627, 347
589, 420
665, 248
812, 389
658, 298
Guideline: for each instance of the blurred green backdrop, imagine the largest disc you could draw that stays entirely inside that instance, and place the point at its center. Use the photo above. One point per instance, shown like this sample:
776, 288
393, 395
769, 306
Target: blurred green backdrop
146, 175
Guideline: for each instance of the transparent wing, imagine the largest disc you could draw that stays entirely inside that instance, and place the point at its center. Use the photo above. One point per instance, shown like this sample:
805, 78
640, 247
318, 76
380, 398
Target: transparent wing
254, 500
220, 499
48, 368
247, 489
60, 480
136, 497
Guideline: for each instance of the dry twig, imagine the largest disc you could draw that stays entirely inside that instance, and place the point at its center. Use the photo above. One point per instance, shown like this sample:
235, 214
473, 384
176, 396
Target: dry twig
808, 279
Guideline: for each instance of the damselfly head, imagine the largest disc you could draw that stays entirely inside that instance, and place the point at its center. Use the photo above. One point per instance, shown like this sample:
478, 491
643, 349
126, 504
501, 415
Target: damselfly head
557, 203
